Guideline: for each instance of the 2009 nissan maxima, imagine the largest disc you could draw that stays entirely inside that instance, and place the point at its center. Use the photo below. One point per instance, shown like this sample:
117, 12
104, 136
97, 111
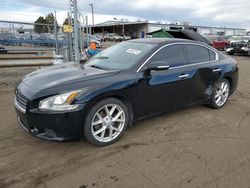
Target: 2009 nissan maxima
135, 79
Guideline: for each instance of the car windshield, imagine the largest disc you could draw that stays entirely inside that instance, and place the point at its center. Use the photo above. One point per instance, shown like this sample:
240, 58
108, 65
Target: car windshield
121, 56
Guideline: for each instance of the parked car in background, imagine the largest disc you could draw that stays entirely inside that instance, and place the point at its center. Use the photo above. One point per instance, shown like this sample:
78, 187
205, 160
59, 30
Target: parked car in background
183, 34
218, 42
239, 44
227, 37
126, 37
112, 37
129, 81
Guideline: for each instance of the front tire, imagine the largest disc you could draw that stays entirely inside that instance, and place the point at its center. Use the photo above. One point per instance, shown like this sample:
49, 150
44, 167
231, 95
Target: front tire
220, 94
106, 122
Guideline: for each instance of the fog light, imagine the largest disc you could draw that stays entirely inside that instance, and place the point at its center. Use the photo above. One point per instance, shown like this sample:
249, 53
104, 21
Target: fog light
50, 133
34, 130
229, 49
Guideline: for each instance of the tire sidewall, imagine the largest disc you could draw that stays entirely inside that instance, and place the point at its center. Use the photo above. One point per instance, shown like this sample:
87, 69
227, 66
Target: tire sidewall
88, 120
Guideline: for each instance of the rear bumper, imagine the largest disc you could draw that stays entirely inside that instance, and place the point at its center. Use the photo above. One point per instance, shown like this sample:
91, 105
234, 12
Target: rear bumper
52, 126
234, 81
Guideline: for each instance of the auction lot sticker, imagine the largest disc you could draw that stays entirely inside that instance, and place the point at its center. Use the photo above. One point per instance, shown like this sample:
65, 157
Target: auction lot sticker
133, 51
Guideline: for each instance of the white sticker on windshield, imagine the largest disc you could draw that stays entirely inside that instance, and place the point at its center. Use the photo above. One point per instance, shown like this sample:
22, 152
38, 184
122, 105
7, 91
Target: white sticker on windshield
133, 51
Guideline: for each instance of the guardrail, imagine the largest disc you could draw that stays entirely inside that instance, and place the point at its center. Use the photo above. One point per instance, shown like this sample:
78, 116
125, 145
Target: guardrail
25, 50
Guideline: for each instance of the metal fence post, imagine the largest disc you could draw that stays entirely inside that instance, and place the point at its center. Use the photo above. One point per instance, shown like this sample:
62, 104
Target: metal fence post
70, 41
83, 35
87, 31
76, 32
56, 35
80, 39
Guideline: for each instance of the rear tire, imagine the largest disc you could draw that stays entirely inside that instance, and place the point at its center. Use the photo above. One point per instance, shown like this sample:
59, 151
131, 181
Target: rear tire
220, 94
106, 122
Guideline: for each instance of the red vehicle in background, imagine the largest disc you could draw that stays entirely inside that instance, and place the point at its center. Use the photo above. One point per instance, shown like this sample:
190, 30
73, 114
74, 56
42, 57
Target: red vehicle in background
218, 42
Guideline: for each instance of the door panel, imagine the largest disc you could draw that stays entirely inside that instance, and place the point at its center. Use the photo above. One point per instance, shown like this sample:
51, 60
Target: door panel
204, 69
203, 80
162, 91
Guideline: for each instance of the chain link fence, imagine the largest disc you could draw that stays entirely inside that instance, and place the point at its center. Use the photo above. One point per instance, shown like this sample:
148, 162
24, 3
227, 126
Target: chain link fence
34, 38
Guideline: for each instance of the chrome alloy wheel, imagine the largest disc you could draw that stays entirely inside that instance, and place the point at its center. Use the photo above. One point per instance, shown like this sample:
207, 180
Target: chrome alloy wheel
108, 122
221, 93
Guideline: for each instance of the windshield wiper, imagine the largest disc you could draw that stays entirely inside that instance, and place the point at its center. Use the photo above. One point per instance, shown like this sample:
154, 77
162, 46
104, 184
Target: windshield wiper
101, 57
99, 67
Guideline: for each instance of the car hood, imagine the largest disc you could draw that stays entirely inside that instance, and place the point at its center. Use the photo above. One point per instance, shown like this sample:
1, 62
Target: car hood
64, 74
239, 41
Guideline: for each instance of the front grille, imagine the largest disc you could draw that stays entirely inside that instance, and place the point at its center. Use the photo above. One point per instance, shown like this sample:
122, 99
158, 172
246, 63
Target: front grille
21, 100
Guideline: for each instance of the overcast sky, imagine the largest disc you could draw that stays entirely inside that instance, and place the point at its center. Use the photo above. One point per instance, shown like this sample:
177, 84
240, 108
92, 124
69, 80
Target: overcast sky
230, 13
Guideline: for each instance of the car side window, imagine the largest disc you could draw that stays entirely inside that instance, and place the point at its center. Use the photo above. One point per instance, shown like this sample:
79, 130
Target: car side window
173, 55
198, 54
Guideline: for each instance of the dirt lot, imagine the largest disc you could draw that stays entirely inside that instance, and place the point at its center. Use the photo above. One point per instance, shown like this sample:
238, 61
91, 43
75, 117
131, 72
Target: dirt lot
193, 147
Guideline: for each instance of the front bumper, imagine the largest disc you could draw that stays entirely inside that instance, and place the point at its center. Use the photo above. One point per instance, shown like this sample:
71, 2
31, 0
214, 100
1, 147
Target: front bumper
61, 126
242, 49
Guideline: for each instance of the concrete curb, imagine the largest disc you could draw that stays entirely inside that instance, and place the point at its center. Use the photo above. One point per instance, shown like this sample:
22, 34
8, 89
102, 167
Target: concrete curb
2, 65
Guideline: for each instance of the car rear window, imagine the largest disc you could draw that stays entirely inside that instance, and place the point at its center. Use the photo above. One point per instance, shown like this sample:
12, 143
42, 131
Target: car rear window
212, 55
198, 54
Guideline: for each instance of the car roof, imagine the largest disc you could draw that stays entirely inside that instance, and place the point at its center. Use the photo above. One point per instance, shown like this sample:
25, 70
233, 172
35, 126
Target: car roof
160, 40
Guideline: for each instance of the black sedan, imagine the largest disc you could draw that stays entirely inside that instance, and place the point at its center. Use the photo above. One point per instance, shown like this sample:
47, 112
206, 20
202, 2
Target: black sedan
129, 81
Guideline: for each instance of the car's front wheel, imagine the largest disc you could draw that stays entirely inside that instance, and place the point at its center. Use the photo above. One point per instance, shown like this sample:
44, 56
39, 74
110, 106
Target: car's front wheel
220, 94
106, 122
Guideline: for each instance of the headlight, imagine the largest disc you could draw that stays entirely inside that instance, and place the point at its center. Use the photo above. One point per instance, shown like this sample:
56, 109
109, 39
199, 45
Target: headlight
60, 102
244, 48
229, 49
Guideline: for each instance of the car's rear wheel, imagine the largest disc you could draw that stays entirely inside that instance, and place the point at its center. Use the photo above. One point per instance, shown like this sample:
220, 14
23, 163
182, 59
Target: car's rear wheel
106, 122
220, 94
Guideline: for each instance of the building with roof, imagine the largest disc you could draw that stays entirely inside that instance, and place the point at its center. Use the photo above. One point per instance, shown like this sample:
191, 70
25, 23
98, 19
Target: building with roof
139, 29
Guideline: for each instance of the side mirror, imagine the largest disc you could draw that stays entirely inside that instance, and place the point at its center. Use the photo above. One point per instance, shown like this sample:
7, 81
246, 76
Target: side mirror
158, 65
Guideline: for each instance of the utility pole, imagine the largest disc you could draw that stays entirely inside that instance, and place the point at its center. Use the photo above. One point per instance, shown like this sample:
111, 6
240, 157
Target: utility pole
93, 21
92, 10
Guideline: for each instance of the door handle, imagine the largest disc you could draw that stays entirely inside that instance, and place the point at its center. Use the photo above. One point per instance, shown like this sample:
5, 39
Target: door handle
216, 70
184, 76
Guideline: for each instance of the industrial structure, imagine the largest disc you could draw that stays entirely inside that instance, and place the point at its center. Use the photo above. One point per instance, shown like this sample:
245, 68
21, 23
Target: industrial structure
141, 28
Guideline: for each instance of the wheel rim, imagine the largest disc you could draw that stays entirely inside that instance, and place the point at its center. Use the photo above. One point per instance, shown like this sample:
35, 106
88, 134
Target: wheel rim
108, 122
222, 93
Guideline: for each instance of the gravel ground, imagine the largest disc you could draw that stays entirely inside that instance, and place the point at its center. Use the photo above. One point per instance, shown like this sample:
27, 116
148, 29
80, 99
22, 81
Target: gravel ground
192, 147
